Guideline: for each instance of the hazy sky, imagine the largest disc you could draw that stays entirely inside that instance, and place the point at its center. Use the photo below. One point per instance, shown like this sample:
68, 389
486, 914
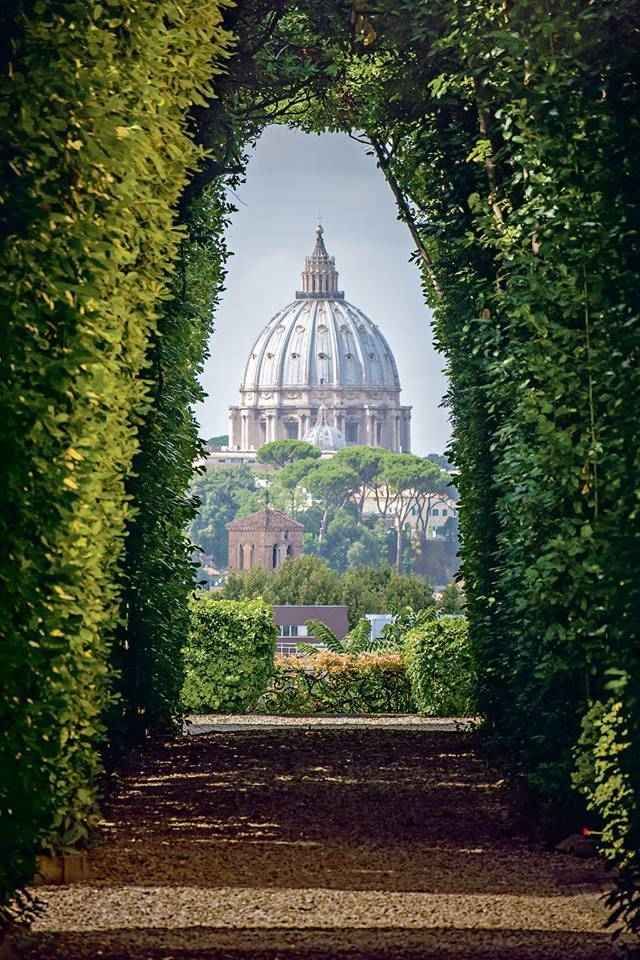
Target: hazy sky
291, 178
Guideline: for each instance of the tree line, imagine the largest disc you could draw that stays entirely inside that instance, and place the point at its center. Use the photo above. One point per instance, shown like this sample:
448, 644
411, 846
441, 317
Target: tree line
328, 495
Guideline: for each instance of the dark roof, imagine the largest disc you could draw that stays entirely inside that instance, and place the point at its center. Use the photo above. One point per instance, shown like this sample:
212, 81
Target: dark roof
266, 519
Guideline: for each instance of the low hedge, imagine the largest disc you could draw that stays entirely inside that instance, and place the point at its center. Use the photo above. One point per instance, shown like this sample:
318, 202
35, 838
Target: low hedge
440, 667
339, 683
228, 658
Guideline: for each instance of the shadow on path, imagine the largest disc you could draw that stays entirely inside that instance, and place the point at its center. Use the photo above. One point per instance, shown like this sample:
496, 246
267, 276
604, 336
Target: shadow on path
364, 843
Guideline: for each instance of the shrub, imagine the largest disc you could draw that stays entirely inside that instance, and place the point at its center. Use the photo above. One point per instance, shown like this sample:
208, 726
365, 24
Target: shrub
606, 772
229, 654
440, 667
340, 683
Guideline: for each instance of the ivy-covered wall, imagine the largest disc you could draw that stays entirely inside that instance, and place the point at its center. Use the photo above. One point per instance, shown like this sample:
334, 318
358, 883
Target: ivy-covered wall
509, 135
94, 158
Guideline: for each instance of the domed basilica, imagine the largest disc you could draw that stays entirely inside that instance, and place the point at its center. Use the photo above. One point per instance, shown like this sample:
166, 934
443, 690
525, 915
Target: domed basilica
321, 370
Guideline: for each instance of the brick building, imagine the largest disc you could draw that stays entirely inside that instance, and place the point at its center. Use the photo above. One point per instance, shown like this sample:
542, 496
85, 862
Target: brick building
263, 539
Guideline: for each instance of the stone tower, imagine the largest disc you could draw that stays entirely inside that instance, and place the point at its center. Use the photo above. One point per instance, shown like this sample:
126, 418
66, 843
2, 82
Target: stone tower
263, 539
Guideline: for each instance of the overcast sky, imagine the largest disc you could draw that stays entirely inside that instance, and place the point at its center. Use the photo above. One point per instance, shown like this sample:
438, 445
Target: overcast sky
291, 178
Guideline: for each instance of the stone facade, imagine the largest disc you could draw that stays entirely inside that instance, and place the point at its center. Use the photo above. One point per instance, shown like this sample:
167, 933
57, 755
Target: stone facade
263, 539
320, 350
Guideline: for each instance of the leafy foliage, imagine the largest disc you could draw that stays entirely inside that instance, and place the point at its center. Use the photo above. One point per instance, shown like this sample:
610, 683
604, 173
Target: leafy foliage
340, 683
404, 477
384, 590
222, 495
308, 580
228, 658
281, 452
606, 770
357, 640
331, 482
440, 666
95, 155
509, 138
158, 566
299, 580
451, 599
348, 543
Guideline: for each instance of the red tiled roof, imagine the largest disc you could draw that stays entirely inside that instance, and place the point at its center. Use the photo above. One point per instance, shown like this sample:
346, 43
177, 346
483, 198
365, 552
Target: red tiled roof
265, 519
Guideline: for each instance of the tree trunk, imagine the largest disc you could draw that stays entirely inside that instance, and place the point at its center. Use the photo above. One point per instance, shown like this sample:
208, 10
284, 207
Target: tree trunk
323, 525
405, 212
399, 544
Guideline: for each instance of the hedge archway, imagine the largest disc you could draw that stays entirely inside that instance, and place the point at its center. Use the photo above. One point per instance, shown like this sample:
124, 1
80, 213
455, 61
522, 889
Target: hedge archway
508, 136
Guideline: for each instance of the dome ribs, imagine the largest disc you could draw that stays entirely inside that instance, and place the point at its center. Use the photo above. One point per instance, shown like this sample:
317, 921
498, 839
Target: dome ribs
321, 349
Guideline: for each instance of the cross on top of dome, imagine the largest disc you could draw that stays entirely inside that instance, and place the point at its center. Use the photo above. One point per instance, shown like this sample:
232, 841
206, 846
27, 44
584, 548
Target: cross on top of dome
320, 277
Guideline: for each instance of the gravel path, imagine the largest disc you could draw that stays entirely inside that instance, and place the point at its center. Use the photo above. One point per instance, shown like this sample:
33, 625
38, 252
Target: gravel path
219, 722
292, 843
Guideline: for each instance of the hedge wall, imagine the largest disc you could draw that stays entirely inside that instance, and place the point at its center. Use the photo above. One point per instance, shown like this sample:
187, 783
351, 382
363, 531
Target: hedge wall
518, 162
441, 668
94, 158
158, 570
228, 658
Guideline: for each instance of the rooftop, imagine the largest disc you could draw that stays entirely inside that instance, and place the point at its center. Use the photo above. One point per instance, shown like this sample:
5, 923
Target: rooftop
265, 519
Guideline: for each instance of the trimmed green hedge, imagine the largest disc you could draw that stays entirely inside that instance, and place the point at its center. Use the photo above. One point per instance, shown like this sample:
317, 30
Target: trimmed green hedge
158, 548
440, 666
94, 158
339, 683
229, 656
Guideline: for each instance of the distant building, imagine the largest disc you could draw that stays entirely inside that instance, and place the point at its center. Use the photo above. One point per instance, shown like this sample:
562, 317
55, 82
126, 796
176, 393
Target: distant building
378, 622
263, 539
222, 457
292, 624
320, 350
322, 435
437, 510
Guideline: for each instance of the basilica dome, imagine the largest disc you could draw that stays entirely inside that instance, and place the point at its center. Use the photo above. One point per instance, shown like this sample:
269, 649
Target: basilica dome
320, 339
320, 350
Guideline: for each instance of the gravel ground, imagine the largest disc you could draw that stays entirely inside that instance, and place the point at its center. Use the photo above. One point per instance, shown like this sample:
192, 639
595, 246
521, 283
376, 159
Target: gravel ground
296, 842
213, 722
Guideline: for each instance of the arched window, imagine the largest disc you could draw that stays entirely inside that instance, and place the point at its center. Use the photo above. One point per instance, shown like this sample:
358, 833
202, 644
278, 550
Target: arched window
275, 555
251, 556
290, 550
241, 557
